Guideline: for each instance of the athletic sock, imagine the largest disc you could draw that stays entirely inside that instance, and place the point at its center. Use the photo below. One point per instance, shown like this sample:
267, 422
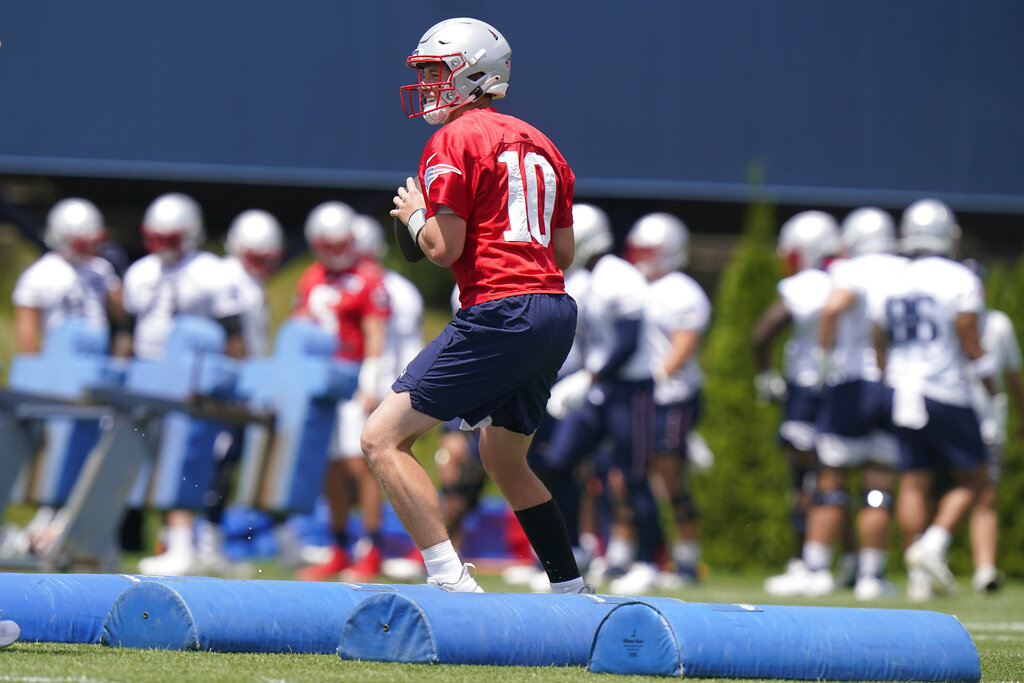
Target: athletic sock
936, 538
817, 556
341, 539
442, 562
545, 528
871, 562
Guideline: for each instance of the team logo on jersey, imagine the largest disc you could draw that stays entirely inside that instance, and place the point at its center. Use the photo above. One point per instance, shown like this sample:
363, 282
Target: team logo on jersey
434, 172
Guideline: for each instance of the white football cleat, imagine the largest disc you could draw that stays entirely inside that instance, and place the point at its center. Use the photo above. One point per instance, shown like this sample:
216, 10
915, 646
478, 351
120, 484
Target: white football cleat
464, 584
641, 579
178, 563
872, 588
987, 579
919, 586
9, 632
798, 580
933, 563
521, 574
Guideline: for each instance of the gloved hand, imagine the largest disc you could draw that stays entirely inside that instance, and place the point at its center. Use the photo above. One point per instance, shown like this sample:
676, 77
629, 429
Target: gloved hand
770, 386
569, 393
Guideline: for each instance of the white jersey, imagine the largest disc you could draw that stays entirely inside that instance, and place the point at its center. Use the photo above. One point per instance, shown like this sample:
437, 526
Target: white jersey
999, 340
615, 291
804, 295
577, 281
155, 293
62, 290
675, 302
866, 277
919, 311
255, 310
403, 335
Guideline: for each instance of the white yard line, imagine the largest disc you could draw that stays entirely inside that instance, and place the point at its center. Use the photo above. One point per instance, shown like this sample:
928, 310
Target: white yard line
1005, 626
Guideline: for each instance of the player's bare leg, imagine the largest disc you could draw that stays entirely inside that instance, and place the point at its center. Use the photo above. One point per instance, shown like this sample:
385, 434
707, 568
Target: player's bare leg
503, 454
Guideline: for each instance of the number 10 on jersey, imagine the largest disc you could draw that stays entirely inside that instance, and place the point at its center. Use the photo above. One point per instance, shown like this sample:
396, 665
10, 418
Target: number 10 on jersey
524, 219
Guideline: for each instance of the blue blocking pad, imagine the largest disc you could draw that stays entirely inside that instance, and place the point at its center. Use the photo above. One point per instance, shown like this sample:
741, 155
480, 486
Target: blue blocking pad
705, 640
301, 383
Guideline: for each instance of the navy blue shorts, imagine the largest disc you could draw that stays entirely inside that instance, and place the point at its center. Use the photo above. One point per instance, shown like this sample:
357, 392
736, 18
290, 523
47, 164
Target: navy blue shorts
853, 409
497, 359
802, 403
672, 422
625, 416
951, 436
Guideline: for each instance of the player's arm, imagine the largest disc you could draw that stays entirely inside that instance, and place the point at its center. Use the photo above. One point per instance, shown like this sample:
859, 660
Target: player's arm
121, 324
966, 325
627, 339
838, 301
28, 323
441, 237
235, 344
373, 329
771, 323
683, 345
564, 243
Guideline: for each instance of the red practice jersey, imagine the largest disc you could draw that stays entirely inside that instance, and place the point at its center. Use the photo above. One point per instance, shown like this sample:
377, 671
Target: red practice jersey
340, 301
513, 188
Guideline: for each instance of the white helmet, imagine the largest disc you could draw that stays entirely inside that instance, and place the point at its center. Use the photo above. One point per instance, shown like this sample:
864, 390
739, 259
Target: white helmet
658, 244
592, 233
929, 226
869, 230
807, 239
329, 234
172, 226
74, 228
255, 238
369, 237
476, 55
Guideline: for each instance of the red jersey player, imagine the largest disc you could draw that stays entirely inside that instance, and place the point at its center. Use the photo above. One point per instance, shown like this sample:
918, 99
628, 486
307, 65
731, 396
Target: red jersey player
495, 206
347, 297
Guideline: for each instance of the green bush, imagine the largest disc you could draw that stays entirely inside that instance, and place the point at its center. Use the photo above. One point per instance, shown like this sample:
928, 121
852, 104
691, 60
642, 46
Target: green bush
743, 498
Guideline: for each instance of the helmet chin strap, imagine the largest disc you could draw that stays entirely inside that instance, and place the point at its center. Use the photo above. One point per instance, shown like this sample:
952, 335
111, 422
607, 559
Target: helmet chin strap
441, 116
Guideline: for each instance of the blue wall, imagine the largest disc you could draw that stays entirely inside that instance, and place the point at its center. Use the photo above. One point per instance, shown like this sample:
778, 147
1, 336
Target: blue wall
837, 101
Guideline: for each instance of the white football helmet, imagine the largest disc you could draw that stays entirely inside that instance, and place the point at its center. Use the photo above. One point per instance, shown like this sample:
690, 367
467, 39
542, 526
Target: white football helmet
475, 56
172, 226
255, 238
369, 237
330, 236
74, 228
592, 233
929, 226
658, 244
869, 230
808, 239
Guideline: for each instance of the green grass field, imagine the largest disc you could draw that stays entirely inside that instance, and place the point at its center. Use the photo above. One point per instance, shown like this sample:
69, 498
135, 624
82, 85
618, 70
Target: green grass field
996, 623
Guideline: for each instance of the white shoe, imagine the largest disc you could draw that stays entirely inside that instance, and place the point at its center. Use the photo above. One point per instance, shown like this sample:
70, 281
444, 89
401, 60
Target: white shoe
179, 563
933, 564
641, 578
872, 588
9, 632
522, 574
464, 584
402, 569
987, 579
673, 581
798, 580
919, 586
540, 583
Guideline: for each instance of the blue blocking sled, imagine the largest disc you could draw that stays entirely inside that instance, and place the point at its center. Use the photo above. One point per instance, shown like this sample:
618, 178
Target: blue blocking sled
223, 615
703, 640
514, 629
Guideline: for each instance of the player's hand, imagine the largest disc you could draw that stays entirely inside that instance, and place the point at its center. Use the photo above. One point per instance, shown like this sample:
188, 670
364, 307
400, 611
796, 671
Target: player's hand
569, 393
408, 200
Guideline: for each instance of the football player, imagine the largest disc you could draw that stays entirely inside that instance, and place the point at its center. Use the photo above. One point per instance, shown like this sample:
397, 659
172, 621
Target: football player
70, 280
853, 434
492, 201
676, 315
344, 293
999, 340
807, 243
928, 346
177, 278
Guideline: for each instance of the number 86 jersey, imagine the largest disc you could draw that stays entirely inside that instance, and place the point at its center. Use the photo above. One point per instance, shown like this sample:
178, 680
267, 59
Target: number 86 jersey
513, 188
919, 312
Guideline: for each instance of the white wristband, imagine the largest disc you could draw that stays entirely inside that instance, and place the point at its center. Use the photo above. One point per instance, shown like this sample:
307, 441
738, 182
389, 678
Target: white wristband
984, 366
417, 221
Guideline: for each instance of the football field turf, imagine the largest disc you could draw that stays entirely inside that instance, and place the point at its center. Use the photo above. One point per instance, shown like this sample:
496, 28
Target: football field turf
996, 623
